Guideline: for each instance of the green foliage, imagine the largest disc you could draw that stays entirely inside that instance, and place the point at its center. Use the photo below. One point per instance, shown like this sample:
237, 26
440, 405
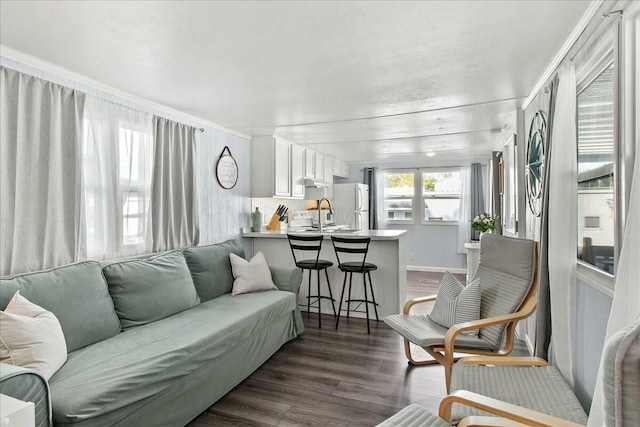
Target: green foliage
429, 183
399, 180
484, 222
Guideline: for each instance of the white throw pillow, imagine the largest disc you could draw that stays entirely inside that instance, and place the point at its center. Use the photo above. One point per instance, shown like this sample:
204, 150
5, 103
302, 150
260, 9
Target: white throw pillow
31, 337
457, 303
251, 276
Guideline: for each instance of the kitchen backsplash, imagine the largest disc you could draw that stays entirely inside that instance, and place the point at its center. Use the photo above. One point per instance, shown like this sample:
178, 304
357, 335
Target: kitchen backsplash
268, 206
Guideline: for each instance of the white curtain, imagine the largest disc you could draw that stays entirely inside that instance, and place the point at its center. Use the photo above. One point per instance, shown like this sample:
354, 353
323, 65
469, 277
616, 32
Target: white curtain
464, 219
626, 297
562, 220
40, 131
117, 170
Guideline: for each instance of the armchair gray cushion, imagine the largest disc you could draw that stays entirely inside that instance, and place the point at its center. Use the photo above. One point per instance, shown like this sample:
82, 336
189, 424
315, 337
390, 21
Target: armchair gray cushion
505, 271
414, 416
541, 388
621, 377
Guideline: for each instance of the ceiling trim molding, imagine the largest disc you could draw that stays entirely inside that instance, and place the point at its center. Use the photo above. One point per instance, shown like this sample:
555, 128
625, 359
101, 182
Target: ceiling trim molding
564, 50
64, 73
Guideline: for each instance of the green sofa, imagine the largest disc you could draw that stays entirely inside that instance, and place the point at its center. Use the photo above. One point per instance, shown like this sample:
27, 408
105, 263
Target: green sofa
152, 340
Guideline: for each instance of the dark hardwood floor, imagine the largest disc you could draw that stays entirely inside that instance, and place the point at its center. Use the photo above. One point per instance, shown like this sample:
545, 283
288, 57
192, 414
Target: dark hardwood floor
334, 378
330, 378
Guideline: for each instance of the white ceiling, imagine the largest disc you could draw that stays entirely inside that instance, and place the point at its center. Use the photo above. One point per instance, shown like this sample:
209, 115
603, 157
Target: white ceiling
363, 81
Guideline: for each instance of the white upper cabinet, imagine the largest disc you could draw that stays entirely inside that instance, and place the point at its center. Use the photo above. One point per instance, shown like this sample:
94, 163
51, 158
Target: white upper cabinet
297, 171
282, 168
319, 166
344, 171
328, 169
309, 163
277, 167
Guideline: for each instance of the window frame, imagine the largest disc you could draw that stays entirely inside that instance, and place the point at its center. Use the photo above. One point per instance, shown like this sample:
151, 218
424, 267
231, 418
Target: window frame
137, 189
601, 58
413, 198
419, 175
417, 201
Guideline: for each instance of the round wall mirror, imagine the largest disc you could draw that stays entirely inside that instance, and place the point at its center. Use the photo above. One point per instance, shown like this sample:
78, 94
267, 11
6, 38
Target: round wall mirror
227, 170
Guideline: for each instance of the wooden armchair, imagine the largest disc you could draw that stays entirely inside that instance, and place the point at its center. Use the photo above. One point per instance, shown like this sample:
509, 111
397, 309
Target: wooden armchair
508, 280
516, 391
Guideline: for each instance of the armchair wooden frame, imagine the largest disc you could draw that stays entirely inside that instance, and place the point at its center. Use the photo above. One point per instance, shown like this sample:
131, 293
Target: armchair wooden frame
512, 415
444, 354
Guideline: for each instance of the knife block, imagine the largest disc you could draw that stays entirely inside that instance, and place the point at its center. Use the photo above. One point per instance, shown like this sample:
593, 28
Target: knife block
274, 223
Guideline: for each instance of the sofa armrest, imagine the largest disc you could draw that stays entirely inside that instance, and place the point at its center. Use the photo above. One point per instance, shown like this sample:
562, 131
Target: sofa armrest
287, 279
28, 386
290, 279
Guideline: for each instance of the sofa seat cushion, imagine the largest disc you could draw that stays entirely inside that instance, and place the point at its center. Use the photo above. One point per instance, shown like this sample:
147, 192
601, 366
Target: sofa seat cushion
145, 361
541, 388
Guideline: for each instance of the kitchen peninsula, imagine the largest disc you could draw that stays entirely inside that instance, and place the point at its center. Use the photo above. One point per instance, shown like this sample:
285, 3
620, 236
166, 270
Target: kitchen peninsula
387, 250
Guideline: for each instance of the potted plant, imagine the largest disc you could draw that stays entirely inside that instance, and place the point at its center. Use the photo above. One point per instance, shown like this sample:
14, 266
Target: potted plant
484, 223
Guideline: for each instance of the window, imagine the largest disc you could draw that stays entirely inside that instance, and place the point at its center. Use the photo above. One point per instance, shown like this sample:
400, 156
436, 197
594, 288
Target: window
441, 195
117, 167
398, 197
135, 184
596, 189
422, 196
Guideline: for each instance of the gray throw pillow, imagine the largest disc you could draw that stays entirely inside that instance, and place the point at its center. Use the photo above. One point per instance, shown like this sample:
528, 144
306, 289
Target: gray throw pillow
147, 290
456, 303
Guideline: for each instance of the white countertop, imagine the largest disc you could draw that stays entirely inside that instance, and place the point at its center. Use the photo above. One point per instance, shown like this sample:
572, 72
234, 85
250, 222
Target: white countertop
374, 234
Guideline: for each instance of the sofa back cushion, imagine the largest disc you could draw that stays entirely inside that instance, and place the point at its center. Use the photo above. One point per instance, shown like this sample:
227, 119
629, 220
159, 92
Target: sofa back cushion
211, 269
76, 294
147, 290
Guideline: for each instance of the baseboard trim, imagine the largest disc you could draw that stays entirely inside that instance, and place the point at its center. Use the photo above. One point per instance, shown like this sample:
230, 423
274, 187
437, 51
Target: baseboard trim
436, 269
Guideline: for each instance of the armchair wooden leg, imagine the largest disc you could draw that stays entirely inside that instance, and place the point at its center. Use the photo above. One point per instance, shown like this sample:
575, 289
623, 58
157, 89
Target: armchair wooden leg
447, 377
412, 361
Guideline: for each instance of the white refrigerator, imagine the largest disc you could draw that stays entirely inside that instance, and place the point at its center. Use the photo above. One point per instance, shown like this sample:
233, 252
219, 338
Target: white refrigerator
350, 203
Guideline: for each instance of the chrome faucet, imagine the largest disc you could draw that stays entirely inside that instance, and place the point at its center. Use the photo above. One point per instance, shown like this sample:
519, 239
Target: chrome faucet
319, 214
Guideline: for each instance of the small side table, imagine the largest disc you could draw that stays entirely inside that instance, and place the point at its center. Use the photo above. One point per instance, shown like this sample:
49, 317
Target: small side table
15, 412
473, 258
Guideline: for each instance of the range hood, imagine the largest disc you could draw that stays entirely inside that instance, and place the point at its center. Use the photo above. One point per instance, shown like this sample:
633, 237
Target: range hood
315, 183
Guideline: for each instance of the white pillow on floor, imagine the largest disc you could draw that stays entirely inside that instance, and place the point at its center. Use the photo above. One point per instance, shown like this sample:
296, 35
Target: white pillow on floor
250, 276
31, 337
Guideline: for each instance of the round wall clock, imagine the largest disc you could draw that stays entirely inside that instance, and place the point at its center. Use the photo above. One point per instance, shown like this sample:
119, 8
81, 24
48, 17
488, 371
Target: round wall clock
227, 170
534, 168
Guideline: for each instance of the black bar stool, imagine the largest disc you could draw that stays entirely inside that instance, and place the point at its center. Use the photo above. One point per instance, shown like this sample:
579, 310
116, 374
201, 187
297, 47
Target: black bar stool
312, 243
359, 245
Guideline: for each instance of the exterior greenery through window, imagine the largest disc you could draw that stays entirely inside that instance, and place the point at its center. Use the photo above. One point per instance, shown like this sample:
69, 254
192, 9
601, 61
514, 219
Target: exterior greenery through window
422, 196
596, 184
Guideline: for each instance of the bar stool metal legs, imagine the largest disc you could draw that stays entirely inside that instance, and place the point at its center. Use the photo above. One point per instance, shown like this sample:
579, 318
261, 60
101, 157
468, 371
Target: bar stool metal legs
319, 296
366, 301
